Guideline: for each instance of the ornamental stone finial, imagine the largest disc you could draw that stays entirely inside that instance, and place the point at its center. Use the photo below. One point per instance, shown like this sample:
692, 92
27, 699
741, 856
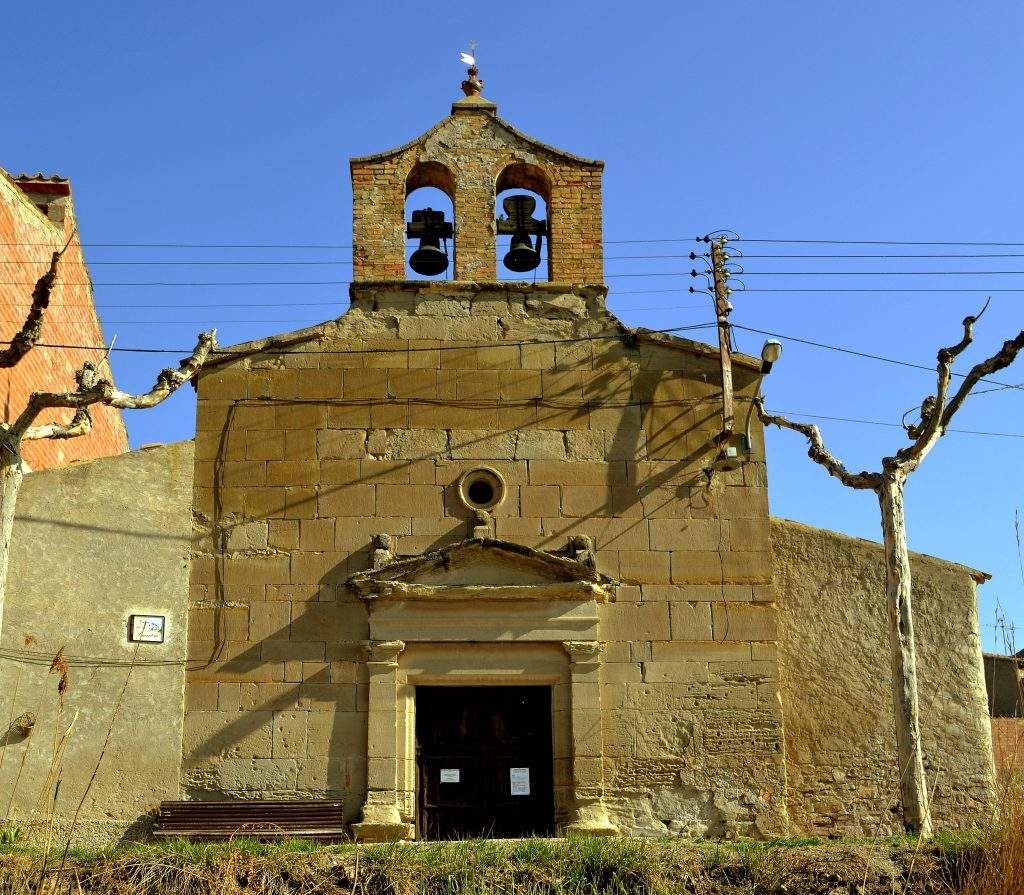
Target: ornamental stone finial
472, 86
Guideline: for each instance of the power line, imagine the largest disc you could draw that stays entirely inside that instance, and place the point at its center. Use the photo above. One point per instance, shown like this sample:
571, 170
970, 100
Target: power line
612, 295
844, 419
584, 404
878, 257
878, 273
827, 289
222, 352
865, 354
303, 246
219, 321
650, 241
671, 273
221, 305
227, 321
670, 330
609, 276
307, 263
39, 657
876, 242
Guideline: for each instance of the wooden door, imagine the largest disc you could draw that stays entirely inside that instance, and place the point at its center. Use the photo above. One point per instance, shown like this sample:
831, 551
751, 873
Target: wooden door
484, 762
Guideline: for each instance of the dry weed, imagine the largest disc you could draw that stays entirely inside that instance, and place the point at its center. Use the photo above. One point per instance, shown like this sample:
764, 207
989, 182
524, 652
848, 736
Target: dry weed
1000, 868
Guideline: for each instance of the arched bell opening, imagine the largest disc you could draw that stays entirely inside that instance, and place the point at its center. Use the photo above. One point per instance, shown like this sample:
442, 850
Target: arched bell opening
522, 200
429, 222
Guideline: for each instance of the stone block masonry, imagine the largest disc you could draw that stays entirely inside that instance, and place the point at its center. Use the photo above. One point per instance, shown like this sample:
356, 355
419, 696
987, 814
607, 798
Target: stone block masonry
28, 237
308, 448
349, 430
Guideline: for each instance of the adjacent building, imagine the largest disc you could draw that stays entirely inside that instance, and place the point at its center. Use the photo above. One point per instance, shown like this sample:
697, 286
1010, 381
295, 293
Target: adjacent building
37, 218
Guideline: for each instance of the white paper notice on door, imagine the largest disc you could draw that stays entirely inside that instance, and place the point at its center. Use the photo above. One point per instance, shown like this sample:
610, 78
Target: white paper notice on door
520, 778
449, 775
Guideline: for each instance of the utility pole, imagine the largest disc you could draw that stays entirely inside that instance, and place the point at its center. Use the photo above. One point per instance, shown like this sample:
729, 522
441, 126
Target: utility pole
722, 309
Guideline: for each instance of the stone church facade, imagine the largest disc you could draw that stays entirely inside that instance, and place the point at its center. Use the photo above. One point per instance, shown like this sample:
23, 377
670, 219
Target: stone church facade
499, 489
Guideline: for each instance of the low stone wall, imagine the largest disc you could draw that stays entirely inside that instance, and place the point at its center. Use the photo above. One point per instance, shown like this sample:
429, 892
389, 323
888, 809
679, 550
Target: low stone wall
94, 543
840, 738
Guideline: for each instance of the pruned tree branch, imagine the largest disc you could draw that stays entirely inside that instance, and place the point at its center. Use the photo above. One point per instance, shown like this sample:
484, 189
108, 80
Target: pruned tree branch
819, 453
998, 361
94, 390
32, 329
936, 411
931, 428
81, 424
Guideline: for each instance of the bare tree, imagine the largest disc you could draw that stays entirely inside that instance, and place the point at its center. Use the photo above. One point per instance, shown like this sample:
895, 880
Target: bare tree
91, 388
936, 413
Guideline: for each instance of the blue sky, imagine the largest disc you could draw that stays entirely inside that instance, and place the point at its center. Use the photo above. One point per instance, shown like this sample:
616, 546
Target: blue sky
232, 123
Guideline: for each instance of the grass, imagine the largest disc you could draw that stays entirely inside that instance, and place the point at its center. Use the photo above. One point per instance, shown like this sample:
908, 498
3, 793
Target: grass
577, 866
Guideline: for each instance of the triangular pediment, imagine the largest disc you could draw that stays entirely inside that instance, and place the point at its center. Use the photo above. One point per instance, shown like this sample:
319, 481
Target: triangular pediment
447, 129
483, 568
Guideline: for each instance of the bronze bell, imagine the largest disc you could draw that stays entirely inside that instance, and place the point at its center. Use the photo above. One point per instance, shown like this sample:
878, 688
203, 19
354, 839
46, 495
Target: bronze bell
429, 259
523, 255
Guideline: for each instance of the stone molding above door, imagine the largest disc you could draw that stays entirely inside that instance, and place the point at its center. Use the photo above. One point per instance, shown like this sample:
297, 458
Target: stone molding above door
480, 568
483, 590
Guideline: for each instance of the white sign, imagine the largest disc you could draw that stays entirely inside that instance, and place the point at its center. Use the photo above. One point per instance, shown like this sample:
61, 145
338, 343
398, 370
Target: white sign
520, 778
449, 775
146, 629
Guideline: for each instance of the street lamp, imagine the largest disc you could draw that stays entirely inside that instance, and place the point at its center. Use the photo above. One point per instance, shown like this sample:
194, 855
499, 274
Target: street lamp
771, 351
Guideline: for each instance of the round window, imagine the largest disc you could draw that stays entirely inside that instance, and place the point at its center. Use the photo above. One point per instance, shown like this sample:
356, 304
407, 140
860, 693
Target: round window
481, 489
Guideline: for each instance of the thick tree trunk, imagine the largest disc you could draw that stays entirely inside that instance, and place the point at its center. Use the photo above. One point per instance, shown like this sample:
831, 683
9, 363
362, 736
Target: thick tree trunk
10, 481
913, 786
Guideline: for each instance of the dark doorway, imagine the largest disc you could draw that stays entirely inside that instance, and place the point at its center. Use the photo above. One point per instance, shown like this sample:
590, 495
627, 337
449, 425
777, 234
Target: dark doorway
483, 762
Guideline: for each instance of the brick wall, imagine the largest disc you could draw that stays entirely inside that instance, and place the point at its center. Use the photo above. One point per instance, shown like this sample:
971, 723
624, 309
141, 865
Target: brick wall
1008, 743
27, 239
472, 154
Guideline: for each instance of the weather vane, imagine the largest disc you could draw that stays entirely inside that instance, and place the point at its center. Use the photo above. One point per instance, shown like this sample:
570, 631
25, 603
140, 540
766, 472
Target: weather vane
472, 85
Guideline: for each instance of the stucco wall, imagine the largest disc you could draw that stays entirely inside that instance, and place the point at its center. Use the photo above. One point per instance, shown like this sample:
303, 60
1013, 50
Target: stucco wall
840, 739
93, 543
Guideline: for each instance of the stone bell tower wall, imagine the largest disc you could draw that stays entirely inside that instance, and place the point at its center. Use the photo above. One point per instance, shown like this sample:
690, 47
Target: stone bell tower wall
310, 444
472, 155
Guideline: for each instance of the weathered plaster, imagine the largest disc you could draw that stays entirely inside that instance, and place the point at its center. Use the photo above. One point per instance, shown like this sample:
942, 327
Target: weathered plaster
94, 543
840, 733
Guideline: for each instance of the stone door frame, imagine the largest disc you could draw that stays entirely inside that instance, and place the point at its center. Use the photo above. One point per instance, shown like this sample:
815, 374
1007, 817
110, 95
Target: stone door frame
571, 667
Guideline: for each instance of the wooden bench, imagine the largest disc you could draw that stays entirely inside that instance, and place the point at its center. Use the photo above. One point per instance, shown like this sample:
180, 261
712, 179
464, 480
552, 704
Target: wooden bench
257, 819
